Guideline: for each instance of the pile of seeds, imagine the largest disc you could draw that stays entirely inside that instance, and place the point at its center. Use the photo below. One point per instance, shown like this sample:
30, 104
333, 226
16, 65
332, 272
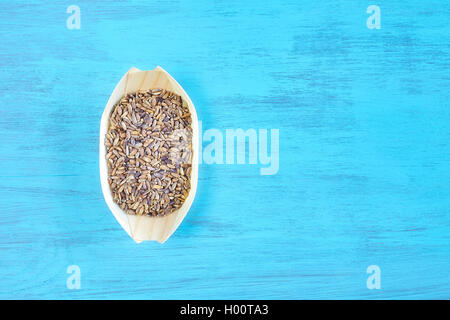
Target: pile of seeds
149, 151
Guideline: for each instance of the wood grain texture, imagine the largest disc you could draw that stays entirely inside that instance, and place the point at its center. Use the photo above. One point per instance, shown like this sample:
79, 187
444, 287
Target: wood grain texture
364, 175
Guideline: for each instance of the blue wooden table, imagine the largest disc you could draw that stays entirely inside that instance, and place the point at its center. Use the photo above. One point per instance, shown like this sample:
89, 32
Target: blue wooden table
364, 155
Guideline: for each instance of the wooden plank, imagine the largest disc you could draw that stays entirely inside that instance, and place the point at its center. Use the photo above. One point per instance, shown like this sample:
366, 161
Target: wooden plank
363, 118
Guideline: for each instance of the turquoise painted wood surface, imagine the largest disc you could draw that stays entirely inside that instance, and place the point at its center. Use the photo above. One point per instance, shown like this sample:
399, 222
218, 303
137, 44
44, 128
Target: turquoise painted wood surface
364, 175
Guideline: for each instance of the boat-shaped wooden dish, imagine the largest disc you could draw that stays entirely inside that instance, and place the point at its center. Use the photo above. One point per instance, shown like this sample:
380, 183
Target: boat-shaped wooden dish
142, 228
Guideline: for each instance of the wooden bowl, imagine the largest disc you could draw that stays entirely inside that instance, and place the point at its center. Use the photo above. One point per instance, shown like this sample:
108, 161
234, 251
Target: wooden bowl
142, 228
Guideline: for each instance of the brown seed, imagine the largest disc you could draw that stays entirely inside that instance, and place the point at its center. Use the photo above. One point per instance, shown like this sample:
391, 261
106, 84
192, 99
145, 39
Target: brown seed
144, 152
